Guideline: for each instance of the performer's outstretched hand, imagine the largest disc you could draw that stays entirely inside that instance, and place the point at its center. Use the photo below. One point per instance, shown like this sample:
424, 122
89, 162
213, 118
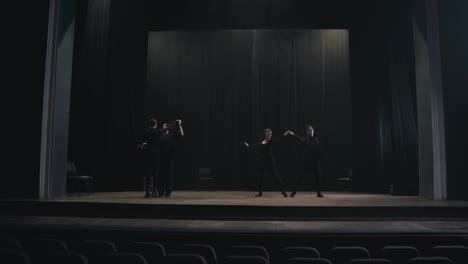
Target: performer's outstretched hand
142, 145
246, 144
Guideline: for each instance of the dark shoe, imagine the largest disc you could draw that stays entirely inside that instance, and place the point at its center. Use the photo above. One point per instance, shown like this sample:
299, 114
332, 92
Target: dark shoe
319, 195
147, 195
284, 194
168, 195
292, 194
154, 195
259, 195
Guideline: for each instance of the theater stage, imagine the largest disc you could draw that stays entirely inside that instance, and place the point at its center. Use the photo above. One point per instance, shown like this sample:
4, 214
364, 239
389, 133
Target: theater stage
235, 205
229, 212
243, 198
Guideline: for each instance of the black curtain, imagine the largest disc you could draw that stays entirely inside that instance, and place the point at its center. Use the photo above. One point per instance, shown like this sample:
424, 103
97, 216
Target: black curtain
110, 103
106, 112
401, 75
454, 55
25, 46
229, 85
385, 150
89, 114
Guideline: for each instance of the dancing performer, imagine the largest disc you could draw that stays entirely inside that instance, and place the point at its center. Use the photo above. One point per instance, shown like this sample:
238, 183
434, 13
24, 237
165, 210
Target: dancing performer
167, 158
149, 144
267, 160
312, 156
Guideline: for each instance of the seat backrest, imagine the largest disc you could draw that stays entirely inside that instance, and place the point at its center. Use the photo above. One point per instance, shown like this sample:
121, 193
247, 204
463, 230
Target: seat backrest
60, 257
399, 254
206, 251
71, 168
246, 250
237, 259
44, 245
302, 260
342, 255
370, 261
431, 260
120, 258
294, 252
204, 172
95, 247
184, 259
459, 254
10, 243
152, 252
14, 256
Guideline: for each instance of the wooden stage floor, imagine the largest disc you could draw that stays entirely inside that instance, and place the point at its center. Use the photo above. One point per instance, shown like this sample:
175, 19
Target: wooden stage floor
238, 205
234, 212
243, 198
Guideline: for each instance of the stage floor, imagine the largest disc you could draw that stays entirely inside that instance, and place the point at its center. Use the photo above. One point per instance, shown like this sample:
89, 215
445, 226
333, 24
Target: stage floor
356, 227
235, 205
242, 198
234, 211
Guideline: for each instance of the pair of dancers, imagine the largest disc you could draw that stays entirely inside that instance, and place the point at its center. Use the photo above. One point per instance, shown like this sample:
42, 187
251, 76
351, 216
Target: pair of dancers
268, 165
157, 147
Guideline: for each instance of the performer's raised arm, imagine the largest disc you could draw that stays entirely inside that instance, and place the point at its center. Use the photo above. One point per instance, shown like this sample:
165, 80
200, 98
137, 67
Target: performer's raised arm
181, 130
276, 140
296, 136
252, 146
168, 126
268, 137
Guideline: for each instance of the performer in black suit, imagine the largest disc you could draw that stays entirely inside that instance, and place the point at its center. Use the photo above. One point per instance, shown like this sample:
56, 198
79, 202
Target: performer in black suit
149, 144
267, 160
312, 156
167, 158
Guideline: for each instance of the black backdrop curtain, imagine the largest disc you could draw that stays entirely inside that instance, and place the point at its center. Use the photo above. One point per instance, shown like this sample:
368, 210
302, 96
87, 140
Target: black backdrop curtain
89, 95
454, 55
401, 75
229, 85
385, 150
109, 104
106, 112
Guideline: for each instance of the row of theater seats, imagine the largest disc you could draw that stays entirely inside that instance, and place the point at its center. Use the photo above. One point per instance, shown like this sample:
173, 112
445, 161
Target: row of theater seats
100, 252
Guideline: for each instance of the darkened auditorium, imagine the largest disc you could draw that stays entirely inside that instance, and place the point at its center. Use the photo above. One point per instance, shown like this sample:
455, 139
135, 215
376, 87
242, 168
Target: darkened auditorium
235, 132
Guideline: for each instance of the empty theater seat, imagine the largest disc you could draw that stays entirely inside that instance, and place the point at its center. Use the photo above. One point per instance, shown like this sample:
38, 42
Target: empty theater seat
60, 257
153, 252
10, 243
236, 259
292, 252
184, 259
14, 256
399, 254
92, 249
247, 250
119, 258
206, 251
300, 260
44, 245
370, 261
342, 255
431, 260
459, 254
